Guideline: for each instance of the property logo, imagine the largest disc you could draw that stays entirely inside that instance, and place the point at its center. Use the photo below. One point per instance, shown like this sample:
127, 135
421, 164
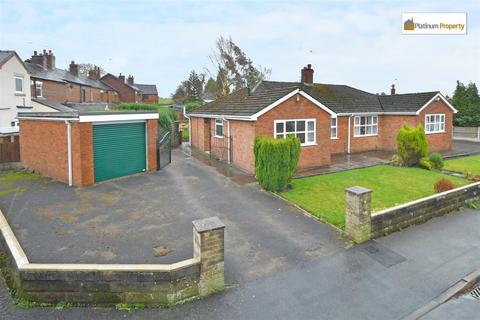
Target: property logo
434, 23
409, 25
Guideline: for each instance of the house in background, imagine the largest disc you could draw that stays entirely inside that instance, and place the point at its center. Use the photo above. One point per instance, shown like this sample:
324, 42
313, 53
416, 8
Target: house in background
127, 90
328, 119
66, 86
15, 95
149, 92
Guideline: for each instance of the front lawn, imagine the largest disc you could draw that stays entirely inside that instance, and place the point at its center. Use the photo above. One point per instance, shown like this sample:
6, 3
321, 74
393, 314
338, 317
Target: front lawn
463, 165
324, 195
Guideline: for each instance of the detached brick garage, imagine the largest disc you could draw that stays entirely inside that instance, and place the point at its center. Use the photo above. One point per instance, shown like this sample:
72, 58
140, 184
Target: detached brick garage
84, 148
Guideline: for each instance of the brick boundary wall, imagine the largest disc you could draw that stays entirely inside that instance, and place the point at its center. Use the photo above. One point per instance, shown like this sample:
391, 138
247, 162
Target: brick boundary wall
106, 284
362, 225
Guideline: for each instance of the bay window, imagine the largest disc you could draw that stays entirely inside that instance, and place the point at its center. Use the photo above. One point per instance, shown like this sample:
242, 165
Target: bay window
434, 123
366, 126
304, 130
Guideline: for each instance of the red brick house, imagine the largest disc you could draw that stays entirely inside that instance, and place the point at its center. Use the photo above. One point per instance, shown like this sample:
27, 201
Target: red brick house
149, 92
328, 119
127, 90
66, 86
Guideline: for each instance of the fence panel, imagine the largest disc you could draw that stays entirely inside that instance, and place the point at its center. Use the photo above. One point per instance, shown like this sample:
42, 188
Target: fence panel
466, 133
9, 152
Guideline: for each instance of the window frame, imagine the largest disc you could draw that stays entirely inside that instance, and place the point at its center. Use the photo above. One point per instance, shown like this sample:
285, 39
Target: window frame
40, 84
360, 125
334, 127
440, 123
218, 124
23, 84
306, 131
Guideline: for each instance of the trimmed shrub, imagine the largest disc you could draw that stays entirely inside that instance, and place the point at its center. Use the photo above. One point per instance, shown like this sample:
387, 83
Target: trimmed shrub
412, 145
396, 161
276, 161
443, 185
425, 163
472, 177
166, 115
437, 160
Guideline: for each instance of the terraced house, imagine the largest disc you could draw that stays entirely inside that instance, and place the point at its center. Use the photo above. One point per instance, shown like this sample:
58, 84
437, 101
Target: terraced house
328, 119
52, 85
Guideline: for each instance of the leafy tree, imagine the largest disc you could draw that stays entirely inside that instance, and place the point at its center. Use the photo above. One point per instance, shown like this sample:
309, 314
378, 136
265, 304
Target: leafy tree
233, 69
84, 69
211, 87
190, 89
467, 101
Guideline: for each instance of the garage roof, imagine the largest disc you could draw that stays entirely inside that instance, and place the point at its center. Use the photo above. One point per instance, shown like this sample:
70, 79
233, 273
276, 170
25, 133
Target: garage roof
89, 116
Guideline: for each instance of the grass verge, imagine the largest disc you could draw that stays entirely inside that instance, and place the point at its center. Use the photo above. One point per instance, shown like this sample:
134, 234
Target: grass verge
324, 195
464, 165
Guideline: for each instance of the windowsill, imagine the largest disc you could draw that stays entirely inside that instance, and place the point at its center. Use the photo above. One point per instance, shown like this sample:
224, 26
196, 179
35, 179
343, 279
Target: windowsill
366, 135
308, 145
218, 137
20, 94
24, 107
434, 132
333, 138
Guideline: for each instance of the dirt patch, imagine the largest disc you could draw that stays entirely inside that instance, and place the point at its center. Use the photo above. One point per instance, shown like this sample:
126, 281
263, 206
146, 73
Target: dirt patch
160, 251
107, 254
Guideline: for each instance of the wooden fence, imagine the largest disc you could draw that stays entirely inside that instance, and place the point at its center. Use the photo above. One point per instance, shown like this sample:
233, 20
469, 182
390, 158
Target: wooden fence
9, 150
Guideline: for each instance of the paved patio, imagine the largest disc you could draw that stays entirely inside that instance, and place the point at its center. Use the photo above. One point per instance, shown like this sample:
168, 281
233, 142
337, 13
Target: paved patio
342, 162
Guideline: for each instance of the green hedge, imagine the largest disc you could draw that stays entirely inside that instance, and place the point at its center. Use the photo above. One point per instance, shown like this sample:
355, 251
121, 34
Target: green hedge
412, 145
166, 115
276, 161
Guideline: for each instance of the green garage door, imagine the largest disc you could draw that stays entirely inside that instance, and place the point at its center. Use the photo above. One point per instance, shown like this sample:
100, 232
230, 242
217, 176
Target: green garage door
118, 150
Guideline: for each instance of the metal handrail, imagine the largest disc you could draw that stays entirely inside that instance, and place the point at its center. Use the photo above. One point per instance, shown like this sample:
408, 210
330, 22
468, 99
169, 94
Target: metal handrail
163, 138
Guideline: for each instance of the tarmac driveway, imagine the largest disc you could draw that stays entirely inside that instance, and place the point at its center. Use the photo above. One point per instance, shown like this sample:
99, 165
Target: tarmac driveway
147, 219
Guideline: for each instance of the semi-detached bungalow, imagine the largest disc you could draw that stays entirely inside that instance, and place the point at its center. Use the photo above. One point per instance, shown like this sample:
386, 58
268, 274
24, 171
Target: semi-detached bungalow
328, 119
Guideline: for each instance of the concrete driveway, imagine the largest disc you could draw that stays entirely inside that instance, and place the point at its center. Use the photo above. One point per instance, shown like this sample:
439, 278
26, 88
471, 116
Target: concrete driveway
147, 219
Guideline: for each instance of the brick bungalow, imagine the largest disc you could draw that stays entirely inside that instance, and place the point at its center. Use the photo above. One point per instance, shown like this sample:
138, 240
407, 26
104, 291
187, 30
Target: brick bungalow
328, 119
55, 85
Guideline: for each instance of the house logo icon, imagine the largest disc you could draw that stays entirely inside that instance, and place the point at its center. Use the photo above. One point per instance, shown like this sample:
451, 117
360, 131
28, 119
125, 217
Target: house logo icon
409, 25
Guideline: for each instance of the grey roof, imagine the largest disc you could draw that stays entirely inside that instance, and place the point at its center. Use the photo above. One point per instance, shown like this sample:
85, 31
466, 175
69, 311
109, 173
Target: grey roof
147, 88
338, 98
60, 75
5, 55
409, 102
53, 105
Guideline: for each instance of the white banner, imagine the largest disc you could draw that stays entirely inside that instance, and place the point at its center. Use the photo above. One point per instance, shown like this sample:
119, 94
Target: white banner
434, 23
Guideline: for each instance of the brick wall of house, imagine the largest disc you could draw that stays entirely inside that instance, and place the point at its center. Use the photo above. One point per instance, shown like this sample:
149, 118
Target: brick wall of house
439, 141
152, 136
150, 98
389, 127
340, 145
44, 147
243, 135
53, 91
68, 92
311, 156
126, 94
218, 145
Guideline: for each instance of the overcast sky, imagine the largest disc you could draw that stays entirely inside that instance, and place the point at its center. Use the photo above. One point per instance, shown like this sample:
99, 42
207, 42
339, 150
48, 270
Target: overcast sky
357, 43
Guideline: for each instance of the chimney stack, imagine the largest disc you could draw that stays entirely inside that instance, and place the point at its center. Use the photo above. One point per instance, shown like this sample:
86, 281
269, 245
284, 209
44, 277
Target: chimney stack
130, 80
121, 77
39, 59
392, 91
94, 73
50, 59
73, 68
307, 75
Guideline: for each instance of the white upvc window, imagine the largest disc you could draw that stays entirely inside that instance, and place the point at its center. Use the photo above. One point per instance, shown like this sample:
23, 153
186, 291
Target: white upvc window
303, 129
366, 126
18, 84
38, 89
434, 123
334, 128
218, 128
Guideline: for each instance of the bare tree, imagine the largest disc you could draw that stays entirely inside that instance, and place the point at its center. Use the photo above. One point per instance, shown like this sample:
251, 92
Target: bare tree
84, 69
